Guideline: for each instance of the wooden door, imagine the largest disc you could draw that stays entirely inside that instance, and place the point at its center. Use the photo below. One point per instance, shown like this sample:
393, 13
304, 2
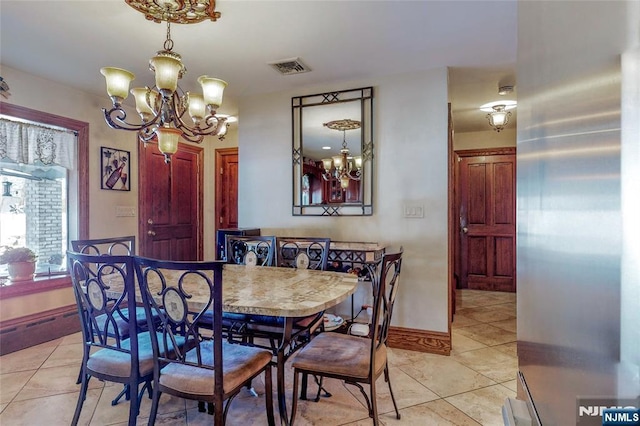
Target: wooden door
227, 188
170, 203
486, 207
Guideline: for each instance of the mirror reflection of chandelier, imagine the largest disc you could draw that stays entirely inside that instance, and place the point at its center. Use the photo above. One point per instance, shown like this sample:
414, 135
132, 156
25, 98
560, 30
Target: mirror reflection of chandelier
162, 107
343, 167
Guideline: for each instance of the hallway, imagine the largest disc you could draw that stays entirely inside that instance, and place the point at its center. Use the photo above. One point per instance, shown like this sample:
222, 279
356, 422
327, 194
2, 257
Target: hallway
37, 385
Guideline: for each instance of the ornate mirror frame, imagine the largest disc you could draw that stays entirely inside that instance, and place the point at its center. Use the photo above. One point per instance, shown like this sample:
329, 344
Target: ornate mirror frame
340, 119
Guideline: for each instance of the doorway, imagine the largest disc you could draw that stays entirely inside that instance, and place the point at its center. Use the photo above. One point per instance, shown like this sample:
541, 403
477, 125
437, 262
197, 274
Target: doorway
170, 203
484, 229
226, 188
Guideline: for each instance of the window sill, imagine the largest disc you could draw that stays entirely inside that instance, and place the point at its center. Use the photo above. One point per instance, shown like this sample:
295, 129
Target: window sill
37, 285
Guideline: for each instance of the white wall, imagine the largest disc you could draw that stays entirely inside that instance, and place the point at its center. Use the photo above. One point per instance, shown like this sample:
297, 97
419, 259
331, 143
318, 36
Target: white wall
486, 139
410, 138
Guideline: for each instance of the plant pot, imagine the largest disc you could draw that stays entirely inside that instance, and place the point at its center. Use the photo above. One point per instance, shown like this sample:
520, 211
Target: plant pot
21, 271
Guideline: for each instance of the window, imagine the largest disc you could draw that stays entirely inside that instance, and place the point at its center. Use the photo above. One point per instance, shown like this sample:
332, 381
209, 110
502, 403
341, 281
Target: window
44, 186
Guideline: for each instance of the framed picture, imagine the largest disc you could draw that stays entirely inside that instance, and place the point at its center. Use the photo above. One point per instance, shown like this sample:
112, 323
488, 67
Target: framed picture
115, 169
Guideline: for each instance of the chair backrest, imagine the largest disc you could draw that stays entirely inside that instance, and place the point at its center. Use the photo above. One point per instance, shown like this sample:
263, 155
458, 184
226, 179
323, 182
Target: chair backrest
385, 291
116, 246
303, 252
256, 250
100, 310
166, 287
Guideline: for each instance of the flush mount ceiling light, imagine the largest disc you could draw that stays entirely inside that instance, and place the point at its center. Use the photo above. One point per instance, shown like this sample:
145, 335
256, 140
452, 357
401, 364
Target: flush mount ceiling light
498, 113
343, 167
162, 108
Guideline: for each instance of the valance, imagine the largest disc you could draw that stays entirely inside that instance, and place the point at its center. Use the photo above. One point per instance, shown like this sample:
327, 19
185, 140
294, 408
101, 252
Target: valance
37, 145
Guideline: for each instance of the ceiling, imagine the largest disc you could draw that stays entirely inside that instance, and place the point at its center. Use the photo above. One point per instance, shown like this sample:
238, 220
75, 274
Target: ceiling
69, 41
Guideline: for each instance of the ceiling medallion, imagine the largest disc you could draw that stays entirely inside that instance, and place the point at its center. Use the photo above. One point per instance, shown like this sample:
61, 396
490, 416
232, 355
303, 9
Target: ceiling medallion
176, 11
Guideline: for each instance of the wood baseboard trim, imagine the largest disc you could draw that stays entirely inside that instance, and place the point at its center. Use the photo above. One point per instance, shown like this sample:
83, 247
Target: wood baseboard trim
30, 330
419, 340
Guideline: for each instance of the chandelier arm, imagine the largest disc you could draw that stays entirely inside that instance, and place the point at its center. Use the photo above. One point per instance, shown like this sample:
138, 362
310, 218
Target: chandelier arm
116, 118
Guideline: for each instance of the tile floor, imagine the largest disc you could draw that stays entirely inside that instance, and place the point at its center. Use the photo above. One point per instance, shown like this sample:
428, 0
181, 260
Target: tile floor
37, 385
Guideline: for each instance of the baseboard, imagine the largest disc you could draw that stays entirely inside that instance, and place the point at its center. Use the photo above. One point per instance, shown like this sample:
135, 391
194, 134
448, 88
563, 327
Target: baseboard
419, 340
30, 330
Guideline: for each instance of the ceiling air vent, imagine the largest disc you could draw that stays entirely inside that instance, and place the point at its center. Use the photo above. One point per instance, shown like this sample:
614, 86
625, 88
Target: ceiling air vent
290, 66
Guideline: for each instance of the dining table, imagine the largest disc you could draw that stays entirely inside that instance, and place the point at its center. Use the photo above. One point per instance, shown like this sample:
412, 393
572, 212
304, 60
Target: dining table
272, 291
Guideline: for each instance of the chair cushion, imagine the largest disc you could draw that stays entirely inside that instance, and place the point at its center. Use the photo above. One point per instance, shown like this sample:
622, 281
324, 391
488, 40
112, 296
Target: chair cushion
240, 363
115, 363
339, 354
121, 323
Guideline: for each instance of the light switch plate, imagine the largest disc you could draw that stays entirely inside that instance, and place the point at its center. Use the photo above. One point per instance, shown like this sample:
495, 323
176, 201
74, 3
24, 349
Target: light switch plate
125, 211
413, 210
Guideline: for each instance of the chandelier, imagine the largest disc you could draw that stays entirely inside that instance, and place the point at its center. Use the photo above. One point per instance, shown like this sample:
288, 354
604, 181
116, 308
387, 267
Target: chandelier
499, 117
343, 167
163, 108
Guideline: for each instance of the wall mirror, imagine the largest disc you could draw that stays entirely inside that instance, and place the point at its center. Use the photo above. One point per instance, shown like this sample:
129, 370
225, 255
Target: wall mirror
333, 153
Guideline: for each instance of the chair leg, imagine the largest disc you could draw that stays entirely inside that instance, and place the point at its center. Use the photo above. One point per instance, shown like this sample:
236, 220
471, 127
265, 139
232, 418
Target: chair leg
388, 380
124, 392
134, 405
268, 395
81, 397
374, 403
294, 403
154, 405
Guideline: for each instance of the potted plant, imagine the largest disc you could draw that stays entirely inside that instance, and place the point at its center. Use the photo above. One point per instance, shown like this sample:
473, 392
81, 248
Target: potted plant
21, 262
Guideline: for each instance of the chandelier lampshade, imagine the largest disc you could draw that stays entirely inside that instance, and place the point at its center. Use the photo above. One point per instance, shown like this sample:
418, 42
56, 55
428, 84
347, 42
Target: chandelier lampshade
343, 167
499, 117
164, 107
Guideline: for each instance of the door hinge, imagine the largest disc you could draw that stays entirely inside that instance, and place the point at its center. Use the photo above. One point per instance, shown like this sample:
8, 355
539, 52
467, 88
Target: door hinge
221, 220
221, 170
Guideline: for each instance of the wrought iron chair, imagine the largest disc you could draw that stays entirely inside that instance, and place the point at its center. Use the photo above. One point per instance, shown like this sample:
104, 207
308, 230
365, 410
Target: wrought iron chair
293, 252
250, 250
303, 253
113, 246
116, 246
191, 373
108, 352
242, 250
353, 359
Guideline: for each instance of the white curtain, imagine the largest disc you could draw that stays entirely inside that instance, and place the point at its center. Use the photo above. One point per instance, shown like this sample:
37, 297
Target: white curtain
37, 145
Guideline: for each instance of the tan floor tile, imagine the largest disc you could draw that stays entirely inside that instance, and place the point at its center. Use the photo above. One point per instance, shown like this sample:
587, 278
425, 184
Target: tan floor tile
406, 390
446, 376
487, 334
460, 320
397, 357
51, 410
511, 385
27, 359
53, 381
460, 343
509, 325
510, 348
483, 405
486, 314
437, 412
105, 413
2, 407
12, 383
342, 407
70, 354
72, 338
491, 363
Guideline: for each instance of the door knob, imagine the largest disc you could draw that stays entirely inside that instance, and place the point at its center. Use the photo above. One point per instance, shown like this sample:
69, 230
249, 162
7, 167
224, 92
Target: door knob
150, 221
151, 233
465, 229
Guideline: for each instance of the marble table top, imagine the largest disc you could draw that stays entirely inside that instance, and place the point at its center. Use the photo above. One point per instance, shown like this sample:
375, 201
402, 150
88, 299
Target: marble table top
272, 291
